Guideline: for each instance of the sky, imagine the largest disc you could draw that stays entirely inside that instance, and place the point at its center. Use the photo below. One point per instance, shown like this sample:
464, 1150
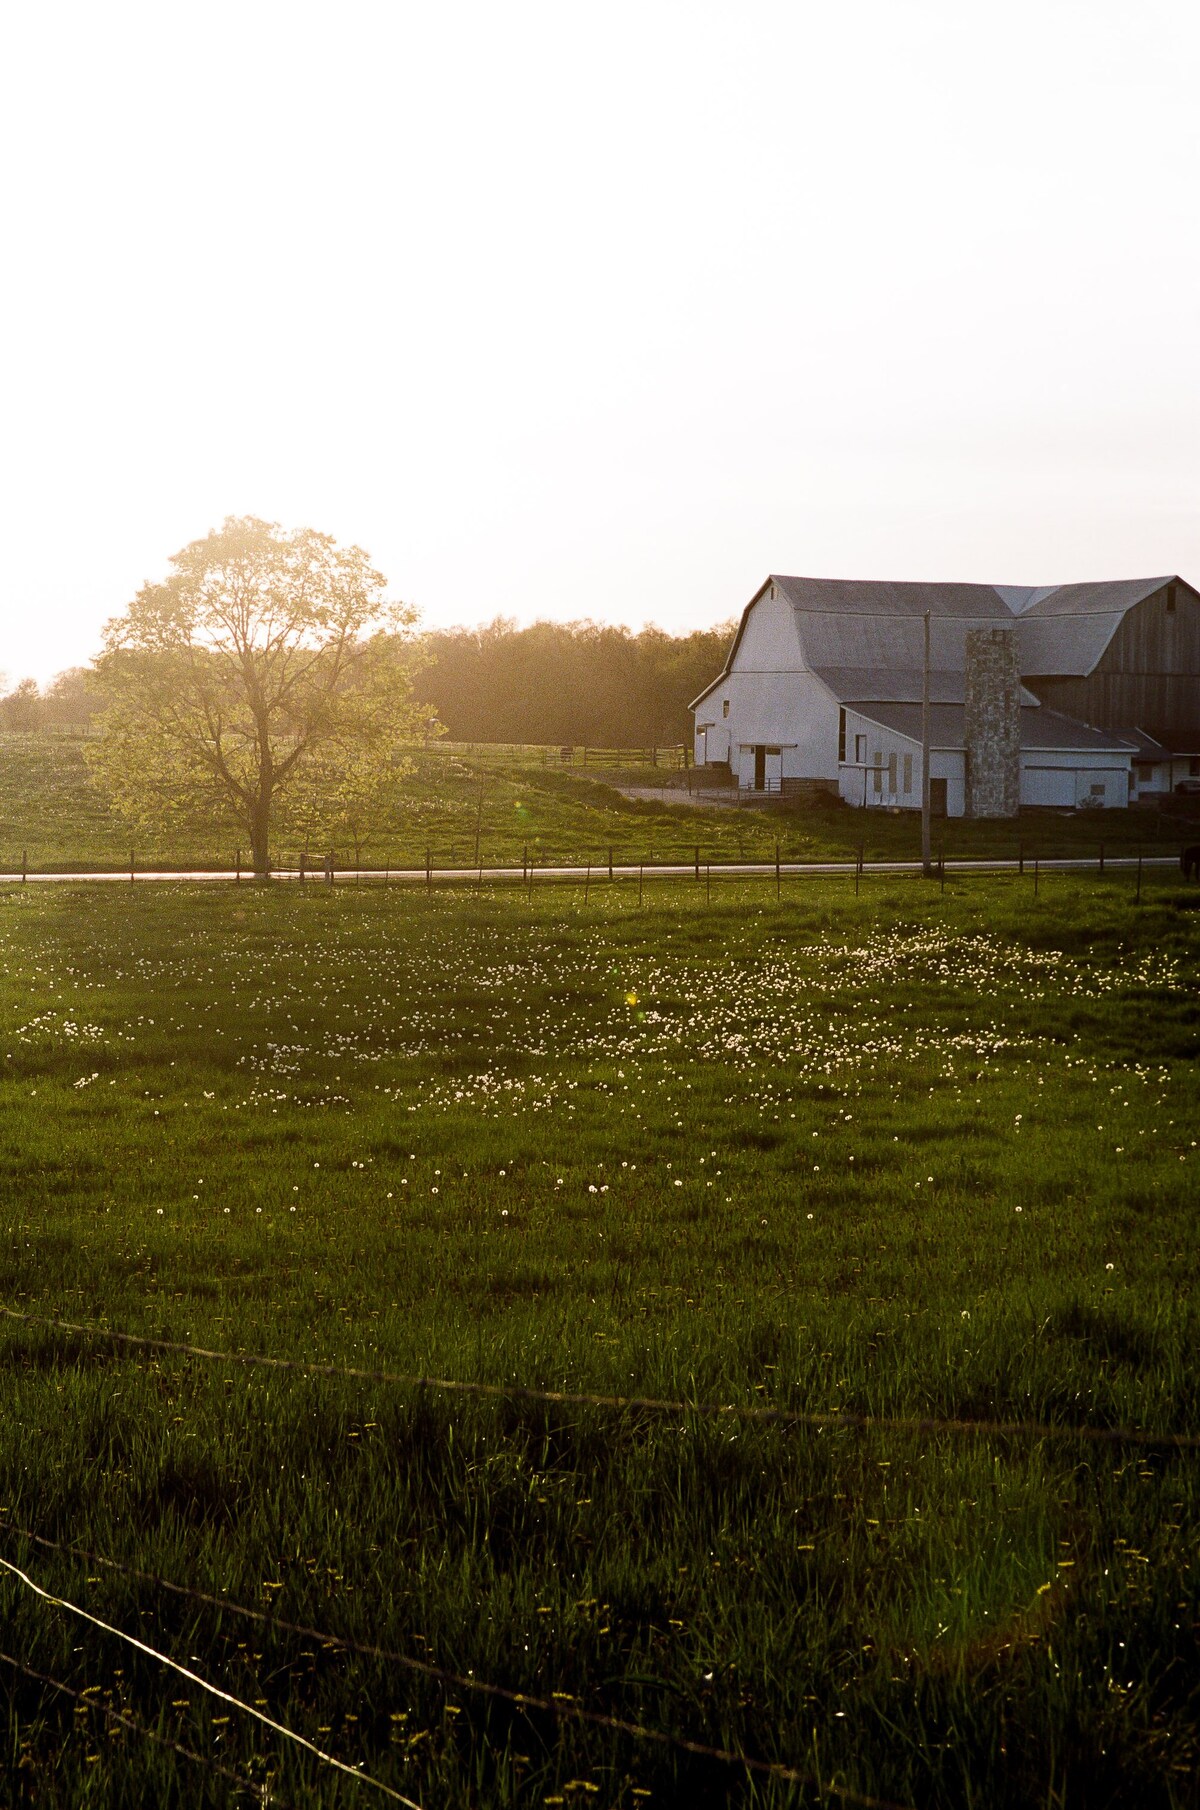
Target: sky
600, 311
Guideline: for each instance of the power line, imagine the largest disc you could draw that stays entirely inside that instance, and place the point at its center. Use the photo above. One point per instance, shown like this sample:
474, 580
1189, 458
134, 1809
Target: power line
560, 1705
834, 1418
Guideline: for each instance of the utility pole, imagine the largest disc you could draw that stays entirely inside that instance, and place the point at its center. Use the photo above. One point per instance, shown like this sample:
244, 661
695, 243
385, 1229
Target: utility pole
926, 864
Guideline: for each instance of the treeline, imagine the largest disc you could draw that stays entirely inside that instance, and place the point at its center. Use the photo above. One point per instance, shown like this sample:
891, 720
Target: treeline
583, 683
65, 703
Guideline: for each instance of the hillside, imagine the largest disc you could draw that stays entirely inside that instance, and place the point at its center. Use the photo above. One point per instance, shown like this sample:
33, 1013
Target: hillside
493, 804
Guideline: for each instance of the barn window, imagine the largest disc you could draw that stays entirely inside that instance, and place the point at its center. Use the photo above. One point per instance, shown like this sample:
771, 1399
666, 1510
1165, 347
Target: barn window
878, 774
892, 760
907, 773
860, 750
1170, 600
1097, 791
725, 707
841, 735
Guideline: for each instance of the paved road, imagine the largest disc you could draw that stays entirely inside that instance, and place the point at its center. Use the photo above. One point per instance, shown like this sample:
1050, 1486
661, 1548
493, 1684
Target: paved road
687, 870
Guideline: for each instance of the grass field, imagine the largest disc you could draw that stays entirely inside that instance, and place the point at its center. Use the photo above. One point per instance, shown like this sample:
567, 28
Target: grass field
912, 1154
494, 806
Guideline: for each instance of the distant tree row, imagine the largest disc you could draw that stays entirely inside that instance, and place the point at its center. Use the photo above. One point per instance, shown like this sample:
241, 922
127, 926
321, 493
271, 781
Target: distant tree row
65, 703
556, 682
583, 683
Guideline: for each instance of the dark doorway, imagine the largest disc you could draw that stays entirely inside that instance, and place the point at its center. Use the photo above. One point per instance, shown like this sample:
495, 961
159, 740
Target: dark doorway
937, 797
760, 767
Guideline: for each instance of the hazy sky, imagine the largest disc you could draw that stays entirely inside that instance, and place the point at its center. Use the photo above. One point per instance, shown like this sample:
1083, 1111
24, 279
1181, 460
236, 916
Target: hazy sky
597, 310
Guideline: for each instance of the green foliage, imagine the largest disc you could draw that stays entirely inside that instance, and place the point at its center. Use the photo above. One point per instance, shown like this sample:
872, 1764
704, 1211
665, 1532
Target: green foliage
569, 682
437, 798
911, 1153
267, 668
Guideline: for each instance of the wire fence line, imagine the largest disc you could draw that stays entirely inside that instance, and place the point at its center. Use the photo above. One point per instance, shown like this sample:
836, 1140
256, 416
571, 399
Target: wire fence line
118, 1718
560, 1705
610, 866
834, 1418
213, 1690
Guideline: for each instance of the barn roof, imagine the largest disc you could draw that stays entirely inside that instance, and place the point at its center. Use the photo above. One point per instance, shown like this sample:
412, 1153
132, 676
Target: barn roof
897, 684
865, 637
1040, 728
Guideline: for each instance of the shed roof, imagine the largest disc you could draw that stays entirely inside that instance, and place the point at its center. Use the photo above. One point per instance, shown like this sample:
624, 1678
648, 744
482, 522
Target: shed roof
1040, 728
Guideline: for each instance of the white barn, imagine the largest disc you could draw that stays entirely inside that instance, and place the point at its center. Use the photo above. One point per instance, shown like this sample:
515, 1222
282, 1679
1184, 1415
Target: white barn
823, 684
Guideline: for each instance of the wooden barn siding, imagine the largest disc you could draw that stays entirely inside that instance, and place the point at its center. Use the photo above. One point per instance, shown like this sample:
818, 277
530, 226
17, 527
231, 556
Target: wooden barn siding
1149, 677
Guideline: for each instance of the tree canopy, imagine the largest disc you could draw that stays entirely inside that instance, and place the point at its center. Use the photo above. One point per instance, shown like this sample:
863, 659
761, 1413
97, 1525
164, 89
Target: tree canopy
268, 672
579, 682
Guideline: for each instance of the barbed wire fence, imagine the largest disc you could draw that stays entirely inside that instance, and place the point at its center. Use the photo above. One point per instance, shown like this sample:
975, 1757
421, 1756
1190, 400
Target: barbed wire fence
833, 1418
559, 1706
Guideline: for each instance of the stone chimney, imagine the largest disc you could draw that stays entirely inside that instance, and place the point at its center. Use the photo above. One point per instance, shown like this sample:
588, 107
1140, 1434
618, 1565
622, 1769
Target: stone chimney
992, 723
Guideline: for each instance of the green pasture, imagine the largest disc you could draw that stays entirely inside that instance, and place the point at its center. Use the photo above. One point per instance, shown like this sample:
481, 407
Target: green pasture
499, 805
911, 1154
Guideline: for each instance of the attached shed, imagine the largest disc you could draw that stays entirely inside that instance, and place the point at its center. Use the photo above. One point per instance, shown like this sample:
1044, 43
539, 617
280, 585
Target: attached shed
1062, 763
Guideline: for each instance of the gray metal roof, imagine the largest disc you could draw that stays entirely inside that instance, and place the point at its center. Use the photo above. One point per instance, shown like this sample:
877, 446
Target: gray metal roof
1103, 597
1148, 747
1062, 629
1045, 729
877, 597
897, 684
850, 627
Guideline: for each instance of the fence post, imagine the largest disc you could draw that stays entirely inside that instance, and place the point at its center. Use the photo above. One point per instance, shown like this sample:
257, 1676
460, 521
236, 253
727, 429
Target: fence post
777, 870
428, 869
303, 858
942, 866
524, 859
1101, 857
857, 869
640, 872
708, 883
131, 867
1020, 857
237, 878
587, 884
1138, 895
610, 861
24, 865
1035, 876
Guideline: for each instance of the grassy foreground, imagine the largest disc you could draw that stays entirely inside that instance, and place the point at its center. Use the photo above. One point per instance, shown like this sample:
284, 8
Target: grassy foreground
912, 1154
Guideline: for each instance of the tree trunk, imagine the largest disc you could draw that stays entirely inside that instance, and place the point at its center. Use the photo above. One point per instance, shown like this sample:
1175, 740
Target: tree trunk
260, 823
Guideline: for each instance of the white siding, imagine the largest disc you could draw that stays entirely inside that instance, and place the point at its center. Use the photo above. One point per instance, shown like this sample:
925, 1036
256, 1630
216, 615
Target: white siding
770, 641
791, 711
1041, 784
886, 752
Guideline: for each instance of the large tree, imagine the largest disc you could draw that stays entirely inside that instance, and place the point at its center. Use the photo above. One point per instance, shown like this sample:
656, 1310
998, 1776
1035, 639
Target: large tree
267, 666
